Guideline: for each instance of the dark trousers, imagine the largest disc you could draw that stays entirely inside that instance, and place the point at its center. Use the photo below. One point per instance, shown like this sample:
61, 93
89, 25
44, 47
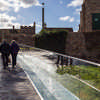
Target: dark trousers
5, 60
14, 57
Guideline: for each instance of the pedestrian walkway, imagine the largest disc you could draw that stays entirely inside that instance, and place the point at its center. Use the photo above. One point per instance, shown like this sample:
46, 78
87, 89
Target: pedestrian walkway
14, 85
41, 68
42, 72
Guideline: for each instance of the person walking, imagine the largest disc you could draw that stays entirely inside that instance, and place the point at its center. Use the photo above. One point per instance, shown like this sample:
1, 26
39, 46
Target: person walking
14, 52
5, 52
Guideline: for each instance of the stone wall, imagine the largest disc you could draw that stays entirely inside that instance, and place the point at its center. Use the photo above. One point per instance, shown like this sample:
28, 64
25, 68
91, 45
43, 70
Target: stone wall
20, 38
92, 41
84, 45
75, 45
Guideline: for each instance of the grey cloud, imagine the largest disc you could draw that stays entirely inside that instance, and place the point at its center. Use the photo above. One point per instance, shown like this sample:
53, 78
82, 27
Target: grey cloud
6, 5
3, 20
3, 7
29, 1
9, 25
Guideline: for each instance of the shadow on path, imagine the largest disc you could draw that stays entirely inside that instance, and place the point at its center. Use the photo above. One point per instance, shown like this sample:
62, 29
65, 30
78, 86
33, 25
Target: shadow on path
14, 85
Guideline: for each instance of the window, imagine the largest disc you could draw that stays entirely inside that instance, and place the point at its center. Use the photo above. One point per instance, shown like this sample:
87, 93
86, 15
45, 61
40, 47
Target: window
96, 21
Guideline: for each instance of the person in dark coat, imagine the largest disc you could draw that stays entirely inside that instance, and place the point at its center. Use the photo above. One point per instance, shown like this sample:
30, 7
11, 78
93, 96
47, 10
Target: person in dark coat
14, 52
5, 52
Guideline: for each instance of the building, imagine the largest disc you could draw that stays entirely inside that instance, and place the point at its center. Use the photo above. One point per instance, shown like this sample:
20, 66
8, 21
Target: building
28, 30
58, 29
90, 16
44, 26
22, 35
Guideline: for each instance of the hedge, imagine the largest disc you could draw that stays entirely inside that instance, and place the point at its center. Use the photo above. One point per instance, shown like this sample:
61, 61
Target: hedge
51, 40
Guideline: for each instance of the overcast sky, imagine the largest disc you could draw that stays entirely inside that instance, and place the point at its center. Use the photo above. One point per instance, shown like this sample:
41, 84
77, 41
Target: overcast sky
58, 13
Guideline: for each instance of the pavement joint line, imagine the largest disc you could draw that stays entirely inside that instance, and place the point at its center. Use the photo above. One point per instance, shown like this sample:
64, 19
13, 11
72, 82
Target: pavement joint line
86, 83
34, 85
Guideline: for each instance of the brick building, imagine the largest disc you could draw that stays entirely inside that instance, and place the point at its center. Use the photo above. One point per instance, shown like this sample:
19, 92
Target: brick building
22, 35
28, 30
90, 16
58, 29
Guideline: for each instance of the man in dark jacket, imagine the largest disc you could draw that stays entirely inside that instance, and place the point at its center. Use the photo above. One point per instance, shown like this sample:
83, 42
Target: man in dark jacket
5, 52
14, 52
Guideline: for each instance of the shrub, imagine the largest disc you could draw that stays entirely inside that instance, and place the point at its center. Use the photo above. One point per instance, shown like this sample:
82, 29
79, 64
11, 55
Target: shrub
51, 40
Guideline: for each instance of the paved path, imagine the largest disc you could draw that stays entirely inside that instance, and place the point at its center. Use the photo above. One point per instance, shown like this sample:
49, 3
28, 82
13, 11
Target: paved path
14, 85
41, 68
42, 71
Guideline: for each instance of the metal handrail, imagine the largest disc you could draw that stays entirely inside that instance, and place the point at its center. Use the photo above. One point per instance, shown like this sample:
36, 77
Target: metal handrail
70, 57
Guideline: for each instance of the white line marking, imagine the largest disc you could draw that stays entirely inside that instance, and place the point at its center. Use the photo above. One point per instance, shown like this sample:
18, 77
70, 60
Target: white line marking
33, 85
86, 83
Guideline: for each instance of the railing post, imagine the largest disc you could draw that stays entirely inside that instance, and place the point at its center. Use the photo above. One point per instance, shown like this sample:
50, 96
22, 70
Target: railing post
68, 61
58, 59
71, 61
62, 60
57, 62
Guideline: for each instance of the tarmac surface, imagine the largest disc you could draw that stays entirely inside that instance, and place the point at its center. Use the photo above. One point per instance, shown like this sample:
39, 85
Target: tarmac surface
15, 85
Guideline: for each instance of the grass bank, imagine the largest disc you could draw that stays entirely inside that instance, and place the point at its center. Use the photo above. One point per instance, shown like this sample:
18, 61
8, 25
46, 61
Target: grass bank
89, 74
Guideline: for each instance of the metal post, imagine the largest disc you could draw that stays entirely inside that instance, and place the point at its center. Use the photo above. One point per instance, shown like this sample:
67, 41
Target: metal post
68, 61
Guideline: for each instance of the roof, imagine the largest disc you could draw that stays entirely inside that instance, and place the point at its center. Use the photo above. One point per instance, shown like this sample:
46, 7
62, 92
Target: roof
51, 29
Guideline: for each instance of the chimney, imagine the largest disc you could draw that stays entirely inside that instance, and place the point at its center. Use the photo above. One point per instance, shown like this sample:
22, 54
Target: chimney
13, 27
34, 27
42, 15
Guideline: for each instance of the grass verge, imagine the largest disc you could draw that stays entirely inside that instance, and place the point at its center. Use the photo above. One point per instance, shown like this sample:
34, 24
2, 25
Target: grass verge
90, 74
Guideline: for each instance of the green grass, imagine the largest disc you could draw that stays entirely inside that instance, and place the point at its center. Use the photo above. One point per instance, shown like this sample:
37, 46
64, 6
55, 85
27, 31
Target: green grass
90, 74
22, 48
